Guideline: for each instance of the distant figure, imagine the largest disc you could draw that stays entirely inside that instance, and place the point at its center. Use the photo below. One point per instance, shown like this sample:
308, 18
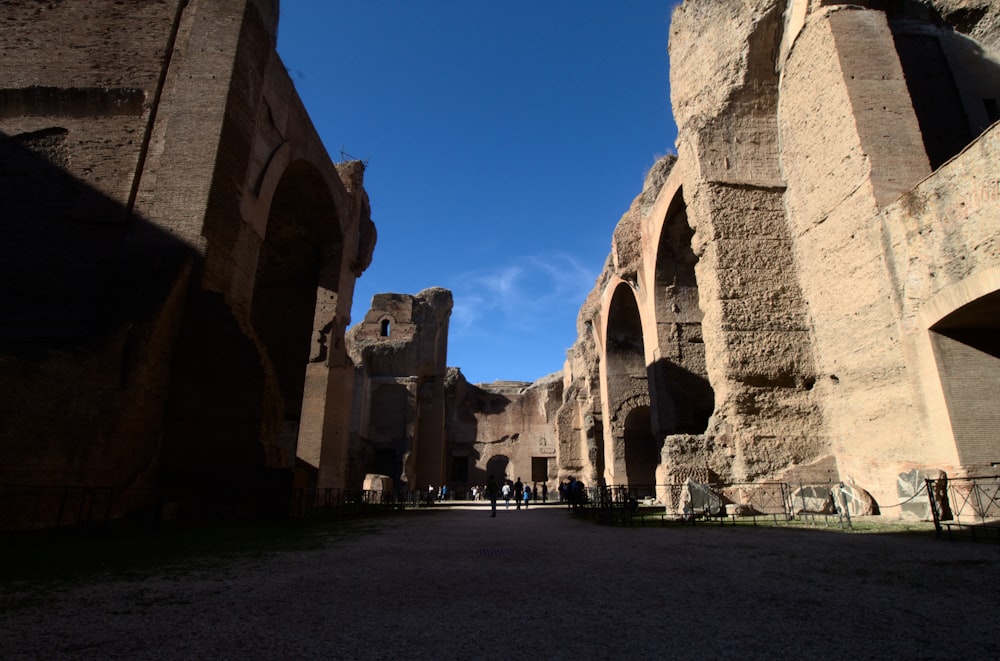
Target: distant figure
545, 491
430, 494
492, 489
527, 495
443, 492
518, 493
505, 491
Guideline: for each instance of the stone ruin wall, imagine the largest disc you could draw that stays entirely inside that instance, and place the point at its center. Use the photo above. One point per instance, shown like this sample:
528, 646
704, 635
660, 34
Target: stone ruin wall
854, 146
770, 293
505, 429
158, 153
398, 417
942, 252
819, 237
74, 107
755, 326
579, 420
826, 249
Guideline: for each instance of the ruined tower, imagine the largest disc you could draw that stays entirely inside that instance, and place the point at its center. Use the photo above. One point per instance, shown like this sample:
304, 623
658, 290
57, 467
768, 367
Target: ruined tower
400, 350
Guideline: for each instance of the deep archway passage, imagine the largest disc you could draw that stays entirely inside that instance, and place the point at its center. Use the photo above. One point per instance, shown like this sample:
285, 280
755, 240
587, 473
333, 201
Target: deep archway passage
680, 393
967, 350
298, 267
642, 452
627, 385
497, 467
385, 450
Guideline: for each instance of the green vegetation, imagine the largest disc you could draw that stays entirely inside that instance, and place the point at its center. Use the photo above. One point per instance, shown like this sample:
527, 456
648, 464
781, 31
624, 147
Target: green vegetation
831, 523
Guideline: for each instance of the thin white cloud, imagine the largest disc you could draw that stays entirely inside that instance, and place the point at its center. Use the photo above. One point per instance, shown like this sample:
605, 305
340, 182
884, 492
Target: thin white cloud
529, 292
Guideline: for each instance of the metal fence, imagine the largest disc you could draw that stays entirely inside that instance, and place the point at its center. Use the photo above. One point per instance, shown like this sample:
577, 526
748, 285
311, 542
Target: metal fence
84, 508
631, 504
970, 506
90, 510
325, 503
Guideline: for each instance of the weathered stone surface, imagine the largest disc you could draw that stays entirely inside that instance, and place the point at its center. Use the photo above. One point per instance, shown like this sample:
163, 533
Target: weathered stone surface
914, 501
505, 428
399, 411
177, 245
807, 292
979, 19
827, 239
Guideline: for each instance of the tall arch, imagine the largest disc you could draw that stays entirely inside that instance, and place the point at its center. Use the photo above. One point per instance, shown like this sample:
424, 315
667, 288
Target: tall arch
389, 432
966, 346
642, 451
681, 395
626, 381
297, 276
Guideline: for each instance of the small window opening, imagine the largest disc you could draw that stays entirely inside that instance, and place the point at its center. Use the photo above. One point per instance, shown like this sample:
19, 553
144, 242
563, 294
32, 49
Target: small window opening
385, 328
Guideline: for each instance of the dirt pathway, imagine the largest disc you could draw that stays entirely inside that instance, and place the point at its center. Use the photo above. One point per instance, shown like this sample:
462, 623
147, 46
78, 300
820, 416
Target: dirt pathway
457, 584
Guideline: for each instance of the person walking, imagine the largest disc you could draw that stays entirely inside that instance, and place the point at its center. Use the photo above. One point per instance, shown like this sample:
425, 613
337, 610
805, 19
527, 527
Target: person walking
545, 491
518, 492
492, 491
527, 495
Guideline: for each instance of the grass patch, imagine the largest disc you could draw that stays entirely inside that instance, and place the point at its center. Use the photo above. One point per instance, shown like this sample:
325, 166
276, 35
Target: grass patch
858, 525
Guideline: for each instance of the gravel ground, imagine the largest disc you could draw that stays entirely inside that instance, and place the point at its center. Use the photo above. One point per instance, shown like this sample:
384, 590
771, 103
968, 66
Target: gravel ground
458, 584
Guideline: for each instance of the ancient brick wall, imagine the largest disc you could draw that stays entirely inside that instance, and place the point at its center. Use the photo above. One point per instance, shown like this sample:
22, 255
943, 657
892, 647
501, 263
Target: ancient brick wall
847, 294
398, 424
507, 429
74, 108
168, 159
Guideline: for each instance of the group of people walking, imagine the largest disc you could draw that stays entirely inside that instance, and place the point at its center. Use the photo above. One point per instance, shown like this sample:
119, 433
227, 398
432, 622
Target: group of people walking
572, 492
518, 491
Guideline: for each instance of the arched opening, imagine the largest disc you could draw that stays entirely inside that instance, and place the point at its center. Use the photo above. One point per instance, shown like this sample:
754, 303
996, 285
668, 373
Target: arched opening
624, 346
681, 395
626, 376
387, 431
951, 80
966, 347
385, 328
497, 466
298, 262
642, 452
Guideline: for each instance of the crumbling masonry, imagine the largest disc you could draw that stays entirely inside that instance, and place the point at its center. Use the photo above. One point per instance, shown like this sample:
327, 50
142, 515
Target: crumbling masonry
809, 290
178, 258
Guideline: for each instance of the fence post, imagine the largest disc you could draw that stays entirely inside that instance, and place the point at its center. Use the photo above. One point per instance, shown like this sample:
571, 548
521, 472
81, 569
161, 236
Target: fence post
929, 486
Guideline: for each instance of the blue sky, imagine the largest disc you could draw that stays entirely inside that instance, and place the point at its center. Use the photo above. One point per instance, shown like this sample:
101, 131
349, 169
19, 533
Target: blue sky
504, 140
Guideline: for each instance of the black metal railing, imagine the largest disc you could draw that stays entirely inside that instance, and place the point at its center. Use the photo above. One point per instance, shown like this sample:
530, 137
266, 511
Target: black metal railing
629, 504
333, 502
26, 507
969, 506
